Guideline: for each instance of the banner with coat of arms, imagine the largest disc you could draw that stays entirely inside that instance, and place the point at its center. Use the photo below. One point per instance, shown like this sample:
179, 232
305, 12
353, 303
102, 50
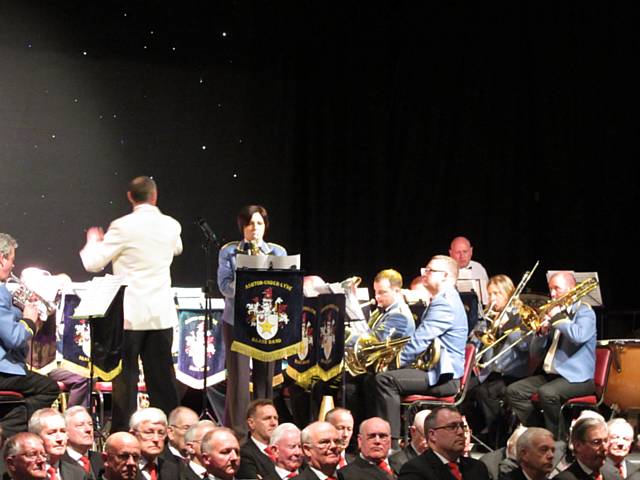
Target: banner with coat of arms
190, 357
321, 351
268, 308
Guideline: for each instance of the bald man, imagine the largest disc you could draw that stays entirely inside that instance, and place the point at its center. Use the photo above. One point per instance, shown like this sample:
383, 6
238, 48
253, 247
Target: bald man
374, 443
121, 455
569, 337
462, 251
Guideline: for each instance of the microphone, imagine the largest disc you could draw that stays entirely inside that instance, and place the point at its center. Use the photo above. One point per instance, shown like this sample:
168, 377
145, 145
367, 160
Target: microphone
206, 230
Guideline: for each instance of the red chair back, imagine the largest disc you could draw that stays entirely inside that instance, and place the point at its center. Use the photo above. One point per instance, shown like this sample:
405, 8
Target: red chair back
469, 356
601, 374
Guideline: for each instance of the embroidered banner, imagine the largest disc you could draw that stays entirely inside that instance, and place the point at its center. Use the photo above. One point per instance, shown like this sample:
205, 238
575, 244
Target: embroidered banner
268, 309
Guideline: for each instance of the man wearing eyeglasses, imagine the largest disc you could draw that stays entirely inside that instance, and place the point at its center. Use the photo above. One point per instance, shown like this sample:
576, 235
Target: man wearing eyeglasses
444, 326
25, 458
374, 442
444, 458
180, 420
121, 455
590, 440
149, 426
321, 446
49, 424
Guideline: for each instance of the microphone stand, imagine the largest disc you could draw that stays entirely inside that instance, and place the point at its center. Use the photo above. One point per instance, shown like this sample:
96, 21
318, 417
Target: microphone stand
210, 240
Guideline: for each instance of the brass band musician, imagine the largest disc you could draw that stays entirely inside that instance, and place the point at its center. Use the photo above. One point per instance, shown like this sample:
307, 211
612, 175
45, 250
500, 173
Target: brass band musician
512, 365
443, 323
568, 332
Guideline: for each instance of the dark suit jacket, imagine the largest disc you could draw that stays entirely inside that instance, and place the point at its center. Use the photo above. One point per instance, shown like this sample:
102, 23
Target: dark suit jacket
398, 459
70, 470
186, 473
515, 474
575, 472
253, 462
167, 470
428, 466
360, 469
609, 469
97, 464
307, 474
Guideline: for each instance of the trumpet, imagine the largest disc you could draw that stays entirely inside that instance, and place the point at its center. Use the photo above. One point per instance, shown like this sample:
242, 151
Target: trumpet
534, 318
23, 295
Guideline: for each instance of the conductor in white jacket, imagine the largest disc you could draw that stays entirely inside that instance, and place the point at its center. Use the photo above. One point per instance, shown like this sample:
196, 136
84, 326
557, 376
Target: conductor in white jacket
141, 247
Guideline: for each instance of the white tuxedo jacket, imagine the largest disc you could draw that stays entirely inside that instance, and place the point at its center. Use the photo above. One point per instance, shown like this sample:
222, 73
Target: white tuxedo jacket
141, 247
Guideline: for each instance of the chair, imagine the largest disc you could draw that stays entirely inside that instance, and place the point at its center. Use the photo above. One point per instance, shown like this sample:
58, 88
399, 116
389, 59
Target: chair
414, 403
600, 379
10, 399
100, 389
593, 401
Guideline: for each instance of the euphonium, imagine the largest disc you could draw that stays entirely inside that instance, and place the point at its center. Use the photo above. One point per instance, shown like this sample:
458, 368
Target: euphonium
368, 354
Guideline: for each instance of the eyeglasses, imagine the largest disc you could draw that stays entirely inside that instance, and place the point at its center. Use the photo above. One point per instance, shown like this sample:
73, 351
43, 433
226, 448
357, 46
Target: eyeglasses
425, 270
324, 444
184, 428
452, 427
381, 436
148, 434
123, 457
597, 442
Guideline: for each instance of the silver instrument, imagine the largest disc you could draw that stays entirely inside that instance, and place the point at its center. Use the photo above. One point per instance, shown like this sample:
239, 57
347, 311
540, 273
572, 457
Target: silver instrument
22, 295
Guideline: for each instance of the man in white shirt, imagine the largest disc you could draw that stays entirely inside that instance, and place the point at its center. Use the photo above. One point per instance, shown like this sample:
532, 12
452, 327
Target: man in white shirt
80, 440
286, 450
462, 251
141, 247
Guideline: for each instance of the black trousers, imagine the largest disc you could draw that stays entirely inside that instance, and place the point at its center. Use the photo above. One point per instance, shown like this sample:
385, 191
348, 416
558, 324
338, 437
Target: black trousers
154, 348
390, 386
238, 379
38, 391
553, 391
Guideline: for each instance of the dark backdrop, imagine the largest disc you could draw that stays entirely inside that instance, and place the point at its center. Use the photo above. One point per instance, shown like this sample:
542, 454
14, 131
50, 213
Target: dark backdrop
374, 132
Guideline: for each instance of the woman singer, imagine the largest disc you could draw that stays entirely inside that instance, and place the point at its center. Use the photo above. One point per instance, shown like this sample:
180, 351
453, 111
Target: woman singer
253, 222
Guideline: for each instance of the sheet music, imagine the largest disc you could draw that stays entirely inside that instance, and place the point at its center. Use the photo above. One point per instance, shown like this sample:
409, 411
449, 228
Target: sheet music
193, 299
96, 298
470, 285
285, 262
594, 297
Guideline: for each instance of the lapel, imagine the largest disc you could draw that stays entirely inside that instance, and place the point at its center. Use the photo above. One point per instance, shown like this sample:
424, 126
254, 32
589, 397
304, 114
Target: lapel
440, 469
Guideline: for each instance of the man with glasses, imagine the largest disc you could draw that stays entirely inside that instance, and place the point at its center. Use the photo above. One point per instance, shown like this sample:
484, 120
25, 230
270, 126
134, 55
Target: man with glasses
620, 443
417, 445
195, 469
374, 442
149, 426
121, 456
590, 440
321, 447
25, 458
444, 326
180, 420
49, 424
444, 458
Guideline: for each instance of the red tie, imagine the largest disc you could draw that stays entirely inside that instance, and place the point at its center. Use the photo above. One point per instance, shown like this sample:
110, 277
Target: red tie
621, 470
597, 475
342, 462
383, 465
52, 473
269, 453
153, 470
455, 470
86, 464
292, 474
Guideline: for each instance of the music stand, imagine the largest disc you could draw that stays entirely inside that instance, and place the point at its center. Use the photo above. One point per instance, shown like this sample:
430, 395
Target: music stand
210, 241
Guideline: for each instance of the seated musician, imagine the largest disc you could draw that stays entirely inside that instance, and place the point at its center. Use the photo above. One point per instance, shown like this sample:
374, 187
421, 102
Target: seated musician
506, 363
569, 333
444, 322
392, 319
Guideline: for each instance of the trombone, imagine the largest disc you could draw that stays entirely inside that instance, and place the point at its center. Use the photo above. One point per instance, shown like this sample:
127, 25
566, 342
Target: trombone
489, 337
532, 320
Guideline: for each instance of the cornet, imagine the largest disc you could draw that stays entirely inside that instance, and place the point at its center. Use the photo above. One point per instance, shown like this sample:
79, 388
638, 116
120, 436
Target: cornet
23, 295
